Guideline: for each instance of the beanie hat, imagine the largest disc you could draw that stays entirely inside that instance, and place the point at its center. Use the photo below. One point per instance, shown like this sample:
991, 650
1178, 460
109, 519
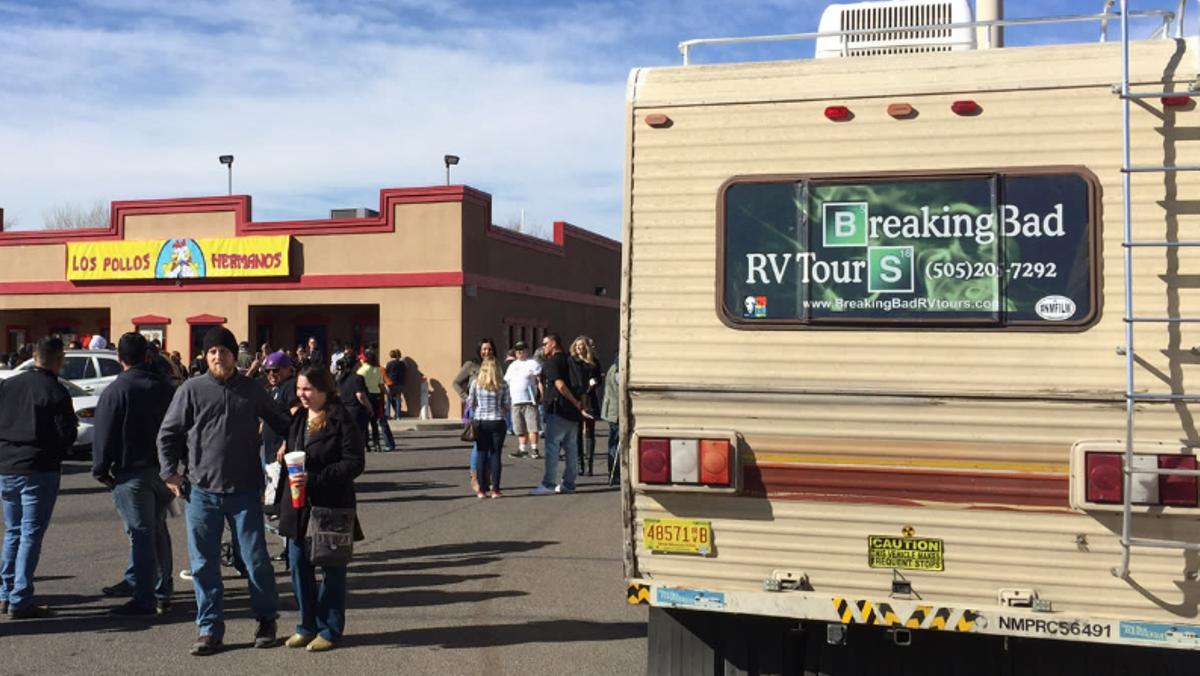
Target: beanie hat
277, 360
219, 336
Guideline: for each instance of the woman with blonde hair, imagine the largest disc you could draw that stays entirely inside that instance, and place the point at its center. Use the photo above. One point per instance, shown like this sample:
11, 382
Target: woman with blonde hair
489, 400
585, 364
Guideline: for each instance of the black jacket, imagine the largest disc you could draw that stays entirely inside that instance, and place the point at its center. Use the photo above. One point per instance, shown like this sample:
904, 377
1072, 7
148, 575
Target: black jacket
128, 416
37, 423
334, 456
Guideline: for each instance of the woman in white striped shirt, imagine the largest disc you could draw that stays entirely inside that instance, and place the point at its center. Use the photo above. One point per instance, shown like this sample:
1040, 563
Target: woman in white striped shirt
490, 402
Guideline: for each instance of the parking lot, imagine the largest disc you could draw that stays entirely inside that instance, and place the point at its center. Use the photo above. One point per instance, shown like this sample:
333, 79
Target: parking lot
444, 583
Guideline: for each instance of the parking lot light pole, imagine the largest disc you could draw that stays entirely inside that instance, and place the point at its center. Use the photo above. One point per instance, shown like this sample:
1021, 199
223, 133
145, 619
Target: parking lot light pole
227, 160
450, 160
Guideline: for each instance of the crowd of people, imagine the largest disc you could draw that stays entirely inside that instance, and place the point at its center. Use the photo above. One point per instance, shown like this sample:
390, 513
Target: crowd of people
224, 435
547, 396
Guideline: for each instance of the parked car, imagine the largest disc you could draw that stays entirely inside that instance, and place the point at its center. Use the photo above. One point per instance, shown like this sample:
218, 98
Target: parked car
91, 370
85, 410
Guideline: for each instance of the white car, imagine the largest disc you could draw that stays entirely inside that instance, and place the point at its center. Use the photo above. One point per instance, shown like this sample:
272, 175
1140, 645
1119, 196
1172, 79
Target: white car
91, 370
85, 410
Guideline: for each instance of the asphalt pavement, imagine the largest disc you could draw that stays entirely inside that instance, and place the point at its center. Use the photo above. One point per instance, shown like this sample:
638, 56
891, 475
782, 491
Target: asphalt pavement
445, 583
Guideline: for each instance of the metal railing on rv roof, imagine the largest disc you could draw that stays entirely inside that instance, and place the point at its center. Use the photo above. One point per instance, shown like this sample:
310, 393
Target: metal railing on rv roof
1167, 17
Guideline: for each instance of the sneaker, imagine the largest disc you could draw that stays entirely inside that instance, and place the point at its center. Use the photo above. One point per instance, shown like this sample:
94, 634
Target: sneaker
30, 613
563, 489
119, 589
320, 644
162, 606
480, 495
206, 645
541, 490
131, 609
281, 556
299, 640
264, 636
495, 494
535, 455
185, 574
517, 454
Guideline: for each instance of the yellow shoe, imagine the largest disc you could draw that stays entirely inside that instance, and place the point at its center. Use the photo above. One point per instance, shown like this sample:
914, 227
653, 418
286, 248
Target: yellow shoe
299, 640
320, 645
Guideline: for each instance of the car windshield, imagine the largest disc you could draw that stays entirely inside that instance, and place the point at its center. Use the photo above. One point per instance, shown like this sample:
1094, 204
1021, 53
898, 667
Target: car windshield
72, 388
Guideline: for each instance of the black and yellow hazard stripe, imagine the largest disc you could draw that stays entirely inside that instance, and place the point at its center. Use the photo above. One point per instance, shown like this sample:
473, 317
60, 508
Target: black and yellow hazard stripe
638, 594
882, 614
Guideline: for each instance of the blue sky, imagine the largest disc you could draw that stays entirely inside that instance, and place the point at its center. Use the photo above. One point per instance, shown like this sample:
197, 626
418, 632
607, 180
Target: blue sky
324, 103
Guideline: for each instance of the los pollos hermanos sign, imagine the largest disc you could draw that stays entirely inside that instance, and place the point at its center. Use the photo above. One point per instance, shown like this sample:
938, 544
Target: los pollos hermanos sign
231, 257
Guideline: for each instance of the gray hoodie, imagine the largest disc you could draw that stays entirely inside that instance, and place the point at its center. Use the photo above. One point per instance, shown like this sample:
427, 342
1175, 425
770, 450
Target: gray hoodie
212, 428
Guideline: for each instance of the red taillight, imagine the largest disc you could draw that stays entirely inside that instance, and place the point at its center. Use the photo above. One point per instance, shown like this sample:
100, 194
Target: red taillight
714, 462
1104, 481
964, 107
838, 113
654, 461
1176, 101
900, 110
1177, 490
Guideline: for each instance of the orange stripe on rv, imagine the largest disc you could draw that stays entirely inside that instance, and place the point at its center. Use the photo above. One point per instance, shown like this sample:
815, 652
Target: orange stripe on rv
892, 486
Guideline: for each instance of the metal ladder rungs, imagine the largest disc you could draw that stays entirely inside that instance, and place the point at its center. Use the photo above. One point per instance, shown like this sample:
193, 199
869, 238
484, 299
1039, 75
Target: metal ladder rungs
1158, 95
1163, 544
1163, 320
1163, 397
1164, 472
1181, 245
1152, 169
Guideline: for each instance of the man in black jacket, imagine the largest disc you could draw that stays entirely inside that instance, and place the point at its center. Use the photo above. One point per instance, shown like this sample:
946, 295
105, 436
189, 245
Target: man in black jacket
125, 458
37, 428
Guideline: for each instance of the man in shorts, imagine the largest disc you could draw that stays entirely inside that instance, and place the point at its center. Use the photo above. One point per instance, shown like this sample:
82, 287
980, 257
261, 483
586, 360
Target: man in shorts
524, 387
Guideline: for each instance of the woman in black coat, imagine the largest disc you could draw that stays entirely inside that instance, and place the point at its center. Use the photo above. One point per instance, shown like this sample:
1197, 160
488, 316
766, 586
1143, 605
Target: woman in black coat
333, 450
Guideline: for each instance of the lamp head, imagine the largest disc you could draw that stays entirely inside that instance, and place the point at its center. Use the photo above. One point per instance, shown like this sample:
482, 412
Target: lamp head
451, 160
226, 159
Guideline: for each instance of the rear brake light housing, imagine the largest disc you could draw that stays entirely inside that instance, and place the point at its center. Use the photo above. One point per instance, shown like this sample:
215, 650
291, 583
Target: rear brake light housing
694, 461
1098, 482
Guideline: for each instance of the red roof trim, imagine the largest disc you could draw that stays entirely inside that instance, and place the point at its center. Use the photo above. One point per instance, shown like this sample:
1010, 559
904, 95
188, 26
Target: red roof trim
354, 281
206, 319
150, 319
562, 229
240, 205
521, 239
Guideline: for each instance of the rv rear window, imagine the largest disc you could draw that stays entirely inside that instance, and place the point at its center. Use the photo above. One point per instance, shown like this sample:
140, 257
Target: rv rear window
1004, 250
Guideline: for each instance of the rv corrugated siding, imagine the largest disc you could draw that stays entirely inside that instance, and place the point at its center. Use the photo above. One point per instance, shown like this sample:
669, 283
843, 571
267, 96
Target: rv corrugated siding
994, 401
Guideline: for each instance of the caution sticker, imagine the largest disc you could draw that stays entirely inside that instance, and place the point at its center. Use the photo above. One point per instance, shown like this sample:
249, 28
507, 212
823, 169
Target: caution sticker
905, 553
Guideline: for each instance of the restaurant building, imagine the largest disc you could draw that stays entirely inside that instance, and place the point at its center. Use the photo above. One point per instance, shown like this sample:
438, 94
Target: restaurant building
426, 273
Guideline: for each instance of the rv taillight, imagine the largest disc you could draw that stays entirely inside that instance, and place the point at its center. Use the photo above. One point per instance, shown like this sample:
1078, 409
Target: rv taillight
1176, 101
900, 110
964, 107
1177, 490
685, 466
838, 113
654, 461
1104, 481
714, 462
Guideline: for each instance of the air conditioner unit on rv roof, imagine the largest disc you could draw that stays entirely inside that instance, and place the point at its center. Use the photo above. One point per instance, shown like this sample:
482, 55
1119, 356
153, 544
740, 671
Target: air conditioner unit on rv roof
895, 19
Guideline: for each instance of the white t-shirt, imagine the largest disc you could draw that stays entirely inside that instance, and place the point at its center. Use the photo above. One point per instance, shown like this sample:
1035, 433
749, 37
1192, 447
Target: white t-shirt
522, 377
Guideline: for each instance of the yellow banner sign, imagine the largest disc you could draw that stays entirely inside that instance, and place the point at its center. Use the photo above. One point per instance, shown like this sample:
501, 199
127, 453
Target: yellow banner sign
179, 258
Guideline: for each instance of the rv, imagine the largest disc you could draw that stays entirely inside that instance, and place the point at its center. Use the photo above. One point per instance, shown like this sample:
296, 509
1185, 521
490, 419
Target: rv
907, 334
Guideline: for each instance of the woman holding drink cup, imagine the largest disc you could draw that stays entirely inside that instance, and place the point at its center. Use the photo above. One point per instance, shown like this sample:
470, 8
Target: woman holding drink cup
324, 454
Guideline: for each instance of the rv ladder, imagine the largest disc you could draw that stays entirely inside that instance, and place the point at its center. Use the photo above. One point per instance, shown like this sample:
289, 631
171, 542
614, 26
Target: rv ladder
1128, 540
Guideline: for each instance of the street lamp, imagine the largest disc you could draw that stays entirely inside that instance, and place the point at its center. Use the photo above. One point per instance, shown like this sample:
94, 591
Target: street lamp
450, 160
227, 160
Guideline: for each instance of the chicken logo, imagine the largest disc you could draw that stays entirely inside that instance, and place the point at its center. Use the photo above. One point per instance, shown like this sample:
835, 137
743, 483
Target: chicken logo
180, 259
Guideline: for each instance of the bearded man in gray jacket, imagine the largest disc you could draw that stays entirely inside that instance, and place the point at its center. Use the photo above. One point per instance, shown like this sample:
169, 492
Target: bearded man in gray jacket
208, 448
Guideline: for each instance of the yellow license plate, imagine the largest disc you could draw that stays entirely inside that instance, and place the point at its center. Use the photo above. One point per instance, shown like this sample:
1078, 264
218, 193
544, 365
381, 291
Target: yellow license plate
678, 536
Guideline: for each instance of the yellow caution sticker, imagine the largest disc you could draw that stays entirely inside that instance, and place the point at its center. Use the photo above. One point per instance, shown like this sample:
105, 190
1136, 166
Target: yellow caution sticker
638, 594
905, 553
862, 611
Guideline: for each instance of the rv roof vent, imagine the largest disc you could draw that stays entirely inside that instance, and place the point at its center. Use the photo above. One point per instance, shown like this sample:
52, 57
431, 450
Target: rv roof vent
895, 21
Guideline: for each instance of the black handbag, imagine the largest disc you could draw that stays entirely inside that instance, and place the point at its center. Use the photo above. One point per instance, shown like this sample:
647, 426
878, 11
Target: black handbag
329, 539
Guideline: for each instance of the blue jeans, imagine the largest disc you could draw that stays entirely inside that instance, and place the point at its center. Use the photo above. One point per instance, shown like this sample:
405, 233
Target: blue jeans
561, 434
28, 503
141, 499
614, 462
206, 514
394, 402
490, 440
322, 609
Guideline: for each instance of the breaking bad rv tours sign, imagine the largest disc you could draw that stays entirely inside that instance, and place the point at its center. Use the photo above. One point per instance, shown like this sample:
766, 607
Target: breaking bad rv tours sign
179, 258
991, 251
